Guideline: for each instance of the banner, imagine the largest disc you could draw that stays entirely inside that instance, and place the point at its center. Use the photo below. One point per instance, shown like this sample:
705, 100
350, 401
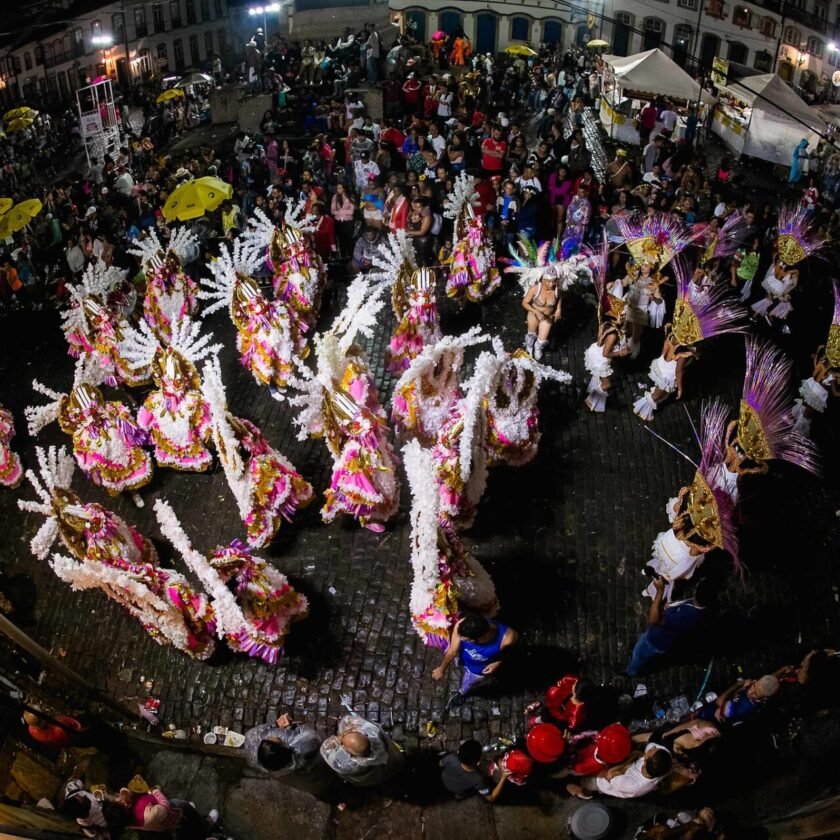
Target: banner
720, 72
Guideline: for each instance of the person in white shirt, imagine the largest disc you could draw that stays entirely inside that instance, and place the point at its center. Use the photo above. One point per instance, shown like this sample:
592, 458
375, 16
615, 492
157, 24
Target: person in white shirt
123, 183
528, 179
636, 777
437, 141
668, 118
444, 108
364, 169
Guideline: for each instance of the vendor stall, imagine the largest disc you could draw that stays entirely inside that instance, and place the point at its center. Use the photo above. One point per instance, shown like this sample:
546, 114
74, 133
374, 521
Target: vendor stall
629, 81
762, 117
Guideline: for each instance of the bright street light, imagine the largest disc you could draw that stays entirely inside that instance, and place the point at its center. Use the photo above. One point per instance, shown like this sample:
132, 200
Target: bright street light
102, 41
832, 46
270, 9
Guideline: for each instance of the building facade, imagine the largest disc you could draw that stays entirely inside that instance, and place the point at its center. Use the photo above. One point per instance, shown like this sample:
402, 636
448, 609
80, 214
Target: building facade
126, 41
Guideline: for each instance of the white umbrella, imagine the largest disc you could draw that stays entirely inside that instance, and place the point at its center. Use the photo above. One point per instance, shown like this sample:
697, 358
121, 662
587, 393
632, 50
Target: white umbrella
194, 79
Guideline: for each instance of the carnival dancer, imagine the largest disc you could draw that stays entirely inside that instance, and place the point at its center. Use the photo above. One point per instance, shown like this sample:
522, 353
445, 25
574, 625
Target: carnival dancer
298, 274
95, 321
545, 275
698, 315
412, 299
110, 555
267, 336
796, 241
473, 275
170, 292
426, 393
447, 580
11, 471
254, 604
339, 403
825, 380
653, 241
267, 487
721, 242
765, 428
701, 515
175, 415
107, 442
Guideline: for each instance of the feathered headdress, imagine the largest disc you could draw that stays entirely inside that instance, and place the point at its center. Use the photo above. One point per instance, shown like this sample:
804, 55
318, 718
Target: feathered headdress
183, 244
143, 348
395, 263
430, 355
98, 281
654, 239
227, 272
765, 425
797, 238
531, 262
703, 313
458, 203
832, 344
56, 468
727, 240
359, 316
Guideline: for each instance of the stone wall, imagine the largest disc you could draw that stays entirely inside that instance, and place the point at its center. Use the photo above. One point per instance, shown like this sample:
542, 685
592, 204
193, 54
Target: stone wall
325, 24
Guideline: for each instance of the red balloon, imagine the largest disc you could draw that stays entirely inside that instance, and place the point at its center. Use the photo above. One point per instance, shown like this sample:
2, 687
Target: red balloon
613, 743
518, 763
545, 743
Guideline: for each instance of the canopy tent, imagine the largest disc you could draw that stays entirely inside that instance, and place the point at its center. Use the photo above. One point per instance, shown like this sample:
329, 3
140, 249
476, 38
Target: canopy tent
652, 73
779, 119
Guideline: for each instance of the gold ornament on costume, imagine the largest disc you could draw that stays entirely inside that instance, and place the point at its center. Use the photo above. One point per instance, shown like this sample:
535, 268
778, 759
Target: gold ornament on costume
790, 251
751, 435
703, 512
685, 325
399, 290
832, 345
171, 364
466, 216
616, 307
70, 526
75, 403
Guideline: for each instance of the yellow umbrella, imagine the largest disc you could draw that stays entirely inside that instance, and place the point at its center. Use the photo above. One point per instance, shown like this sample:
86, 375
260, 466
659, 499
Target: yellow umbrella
195, 198
24, 111
598, 42
520, 49
19, 216
5, 205
19, 124
167, 95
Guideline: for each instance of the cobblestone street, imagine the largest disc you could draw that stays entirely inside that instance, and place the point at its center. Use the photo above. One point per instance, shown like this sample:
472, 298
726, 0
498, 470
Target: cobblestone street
564, 538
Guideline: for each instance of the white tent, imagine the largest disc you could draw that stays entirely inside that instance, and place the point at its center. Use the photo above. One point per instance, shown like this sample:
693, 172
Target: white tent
652, 73
779, 120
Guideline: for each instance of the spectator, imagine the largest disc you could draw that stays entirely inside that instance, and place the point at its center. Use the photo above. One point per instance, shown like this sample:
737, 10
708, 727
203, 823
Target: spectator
361, 753
636, 777
282, 747
740, 701
462, 776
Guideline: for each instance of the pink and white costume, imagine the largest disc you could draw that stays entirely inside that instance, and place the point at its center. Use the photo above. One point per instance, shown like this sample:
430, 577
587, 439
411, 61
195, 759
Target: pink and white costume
11, 471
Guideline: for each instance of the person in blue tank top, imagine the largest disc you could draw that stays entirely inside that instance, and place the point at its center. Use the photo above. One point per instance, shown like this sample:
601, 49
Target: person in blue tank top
479, 643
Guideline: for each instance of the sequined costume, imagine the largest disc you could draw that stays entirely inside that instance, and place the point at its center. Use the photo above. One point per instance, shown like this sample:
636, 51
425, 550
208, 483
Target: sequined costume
11, 471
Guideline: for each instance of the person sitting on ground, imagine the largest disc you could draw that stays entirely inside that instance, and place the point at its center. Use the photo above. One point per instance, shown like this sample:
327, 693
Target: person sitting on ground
56, 733
740, 701
361, 753
462, 776
566, 704
636, 777
282, 747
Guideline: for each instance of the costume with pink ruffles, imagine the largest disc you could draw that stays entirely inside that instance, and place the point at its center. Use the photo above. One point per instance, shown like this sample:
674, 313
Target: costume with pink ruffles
11, 471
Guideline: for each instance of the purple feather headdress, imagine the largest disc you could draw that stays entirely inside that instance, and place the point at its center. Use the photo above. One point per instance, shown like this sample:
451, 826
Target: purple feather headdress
765, 424
704, 313
727, 239
597, 259
835, 319
797, 239
656, 238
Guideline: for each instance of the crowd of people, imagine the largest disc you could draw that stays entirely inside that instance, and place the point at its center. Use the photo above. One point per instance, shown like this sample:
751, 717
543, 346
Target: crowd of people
477, 159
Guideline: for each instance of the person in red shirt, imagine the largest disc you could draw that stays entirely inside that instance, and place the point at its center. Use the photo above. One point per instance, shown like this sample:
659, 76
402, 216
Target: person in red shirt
391, 134
411, 93
493, 151
396, 209
50, 734
647, 121
485, 200
323, 237
566, 703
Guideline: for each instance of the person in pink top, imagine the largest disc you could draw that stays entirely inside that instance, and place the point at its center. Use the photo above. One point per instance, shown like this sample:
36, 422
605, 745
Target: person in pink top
153, 811
343, 210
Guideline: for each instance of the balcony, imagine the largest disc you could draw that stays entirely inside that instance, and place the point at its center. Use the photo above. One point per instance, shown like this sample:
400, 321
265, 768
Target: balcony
792, 12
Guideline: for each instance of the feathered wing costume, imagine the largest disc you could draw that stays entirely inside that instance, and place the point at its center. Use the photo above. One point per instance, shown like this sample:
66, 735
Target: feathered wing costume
765, 428
170, 292
107, 442
175, 415
473, 275
447, 579
96, 319
339, 403
266, 337
254, 604
699, 314
825, 380
426, 393
11, 471
701, 515
265, 484
412, 299
531, 262
298, 274
110, 555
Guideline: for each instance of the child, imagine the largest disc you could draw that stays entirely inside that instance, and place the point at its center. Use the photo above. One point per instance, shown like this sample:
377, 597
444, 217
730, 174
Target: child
507, 206
744, 266
462, 777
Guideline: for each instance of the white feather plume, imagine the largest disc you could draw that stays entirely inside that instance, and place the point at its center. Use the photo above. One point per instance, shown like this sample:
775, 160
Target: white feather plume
139, 345
463, 193
220, 286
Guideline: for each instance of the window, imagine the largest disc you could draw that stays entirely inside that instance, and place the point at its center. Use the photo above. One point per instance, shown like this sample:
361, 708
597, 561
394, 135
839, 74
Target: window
714, 8
16, 65
763, 61
178, 50
58, 51
96, 28
814, 46
38, 52
222, 36
217, 5
157, 18
654, 33
27, 60
175, 13
520, 29
190, 12
161, 53
49, 56
737, 52
687, 4
205, 9
449, 21
821, 11
118, 27
140, 29
654, 25
78, 42
552, 32
195, 54
682, 34
767, 27
791, 36
741, 17
208, 42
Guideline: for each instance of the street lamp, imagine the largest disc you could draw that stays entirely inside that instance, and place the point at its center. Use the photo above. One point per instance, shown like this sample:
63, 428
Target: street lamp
270, 9
104, 42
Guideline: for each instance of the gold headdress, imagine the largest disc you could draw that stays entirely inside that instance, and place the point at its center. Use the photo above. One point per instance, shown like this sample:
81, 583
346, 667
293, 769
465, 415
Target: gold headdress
751, 434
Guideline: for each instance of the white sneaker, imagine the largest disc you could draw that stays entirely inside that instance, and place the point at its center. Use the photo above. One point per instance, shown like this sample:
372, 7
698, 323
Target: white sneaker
212, 817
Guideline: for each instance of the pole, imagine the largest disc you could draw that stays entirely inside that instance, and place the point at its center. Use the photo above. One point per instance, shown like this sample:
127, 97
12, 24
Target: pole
127, 51
779, 39
45, 658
